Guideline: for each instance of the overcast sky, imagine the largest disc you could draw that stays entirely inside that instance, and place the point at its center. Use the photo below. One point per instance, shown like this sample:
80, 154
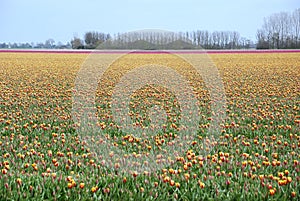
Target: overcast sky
38, 20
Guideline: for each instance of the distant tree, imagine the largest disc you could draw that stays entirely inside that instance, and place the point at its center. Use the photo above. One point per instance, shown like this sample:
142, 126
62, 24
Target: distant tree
162, 40
49, 43
3, 45
296, 28
39, 45
280, 30
107, 37
68, 45
93, 39
25, 46
59, 45
14, 45
77, 43
262, 42
90, 40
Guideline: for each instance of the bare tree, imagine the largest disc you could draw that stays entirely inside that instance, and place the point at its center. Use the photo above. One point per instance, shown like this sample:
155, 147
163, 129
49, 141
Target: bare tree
77, 43
280, 30
49, 43
296, 27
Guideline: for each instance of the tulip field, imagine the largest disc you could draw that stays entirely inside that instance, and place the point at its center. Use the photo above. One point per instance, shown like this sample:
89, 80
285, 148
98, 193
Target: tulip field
254, 156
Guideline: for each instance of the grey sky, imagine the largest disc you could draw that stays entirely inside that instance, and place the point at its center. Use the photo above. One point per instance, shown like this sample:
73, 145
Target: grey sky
38, 20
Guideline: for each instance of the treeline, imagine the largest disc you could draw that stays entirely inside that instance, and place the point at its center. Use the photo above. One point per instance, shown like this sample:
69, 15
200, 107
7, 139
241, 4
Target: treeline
48, 44
163, 40
280, 31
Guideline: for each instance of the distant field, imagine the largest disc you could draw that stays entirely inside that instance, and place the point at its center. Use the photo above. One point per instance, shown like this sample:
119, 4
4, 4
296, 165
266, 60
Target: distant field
255, 155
